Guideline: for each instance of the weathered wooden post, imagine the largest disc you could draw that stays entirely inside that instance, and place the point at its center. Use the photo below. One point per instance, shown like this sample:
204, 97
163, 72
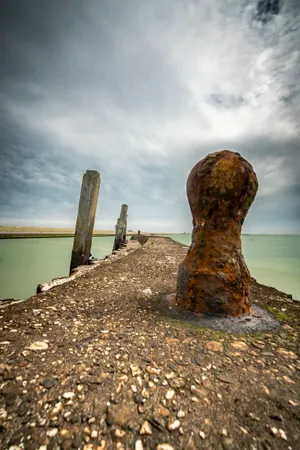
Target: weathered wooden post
121, 228
123, 220
85, 219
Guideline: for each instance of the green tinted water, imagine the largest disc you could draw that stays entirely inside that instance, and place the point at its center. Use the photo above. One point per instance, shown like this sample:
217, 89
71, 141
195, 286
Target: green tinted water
25, 263
274, 260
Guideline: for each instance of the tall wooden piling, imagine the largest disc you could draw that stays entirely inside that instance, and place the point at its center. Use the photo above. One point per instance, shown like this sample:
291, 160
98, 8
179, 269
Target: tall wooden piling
123, 220
85, 219
121, 228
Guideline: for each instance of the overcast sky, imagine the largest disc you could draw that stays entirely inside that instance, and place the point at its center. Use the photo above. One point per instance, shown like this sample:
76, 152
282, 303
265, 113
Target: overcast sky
141, 90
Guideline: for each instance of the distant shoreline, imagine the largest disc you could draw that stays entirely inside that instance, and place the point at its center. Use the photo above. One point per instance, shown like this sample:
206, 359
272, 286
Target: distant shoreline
15, 232
43, 235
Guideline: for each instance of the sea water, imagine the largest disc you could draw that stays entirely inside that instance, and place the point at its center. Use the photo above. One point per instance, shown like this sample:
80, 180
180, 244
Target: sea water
273, 260
25, 263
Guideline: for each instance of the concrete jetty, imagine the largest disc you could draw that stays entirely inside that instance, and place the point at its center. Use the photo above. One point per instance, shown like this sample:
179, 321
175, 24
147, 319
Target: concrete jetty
98, 363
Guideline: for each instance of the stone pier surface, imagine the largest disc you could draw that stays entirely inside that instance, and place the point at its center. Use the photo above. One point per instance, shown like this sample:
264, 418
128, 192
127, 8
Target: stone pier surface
214, 277
98, 364
85, 219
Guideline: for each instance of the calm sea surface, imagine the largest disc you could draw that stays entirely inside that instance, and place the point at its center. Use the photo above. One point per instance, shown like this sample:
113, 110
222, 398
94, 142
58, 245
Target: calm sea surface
24, 263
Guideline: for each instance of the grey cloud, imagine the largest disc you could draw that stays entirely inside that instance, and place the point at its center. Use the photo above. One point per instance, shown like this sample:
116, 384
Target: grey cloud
226, 101
266, 9
141, 92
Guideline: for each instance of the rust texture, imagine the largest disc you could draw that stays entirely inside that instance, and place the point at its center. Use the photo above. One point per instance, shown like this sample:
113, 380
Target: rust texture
213, 277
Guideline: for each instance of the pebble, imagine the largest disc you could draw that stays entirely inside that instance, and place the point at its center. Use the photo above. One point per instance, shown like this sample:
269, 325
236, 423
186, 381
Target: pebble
282, 434
146, 428
57, 408
145, 393
3, 414
258, 344
153, 370
52, 433
119, 446
201, 393
225, 378
254, 417
138, 399
48, 383
177, 383
170, 375
38, 345
139, 445
119, 433
239, 345
133, 388
279, 433
214, 346
268, 354
180, 414
135, 370
68, 395
64, 432
173, 425
288, 379
170, 394
286, 354
160, 410
165, 447
202, 435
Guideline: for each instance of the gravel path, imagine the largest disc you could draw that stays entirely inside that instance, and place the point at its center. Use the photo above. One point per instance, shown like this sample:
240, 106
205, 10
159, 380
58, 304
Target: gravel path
95, 364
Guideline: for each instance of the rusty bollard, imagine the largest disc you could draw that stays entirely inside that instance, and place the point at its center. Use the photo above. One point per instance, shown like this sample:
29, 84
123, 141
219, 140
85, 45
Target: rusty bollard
213, 277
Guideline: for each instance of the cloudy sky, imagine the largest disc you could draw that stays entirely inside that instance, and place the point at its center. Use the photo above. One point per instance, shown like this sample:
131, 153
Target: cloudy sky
141, 91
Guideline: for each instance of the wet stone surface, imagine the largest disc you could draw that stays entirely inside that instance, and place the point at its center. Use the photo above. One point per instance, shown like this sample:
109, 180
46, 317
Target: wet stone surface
111, 370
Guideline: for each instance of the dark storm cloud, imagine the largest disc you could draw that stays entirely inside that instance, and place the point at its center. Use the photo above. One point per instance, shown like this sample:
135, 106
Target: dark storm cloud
266, 9
141, 91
